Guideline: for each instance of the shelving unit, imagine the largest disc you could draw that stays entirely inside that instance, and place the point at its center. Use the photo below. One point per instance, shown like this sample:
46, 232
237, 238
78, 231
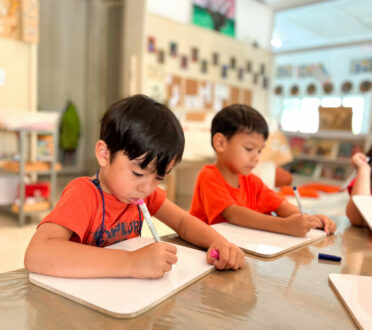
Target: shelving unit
28, 130
325, 155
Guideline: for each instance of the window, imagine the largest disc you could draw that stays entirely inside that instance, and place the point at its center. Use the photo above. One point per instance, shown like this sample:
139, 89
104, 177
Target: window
290, 114
303, 114
330, 102
357, 103
309, 115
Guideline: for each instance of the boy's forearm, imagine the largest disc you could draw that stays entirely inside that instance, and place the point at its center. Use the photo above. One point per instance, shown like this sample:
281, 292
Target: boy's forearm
58, 257
362, 184
354, 215
198, 233
286, 209
245, 217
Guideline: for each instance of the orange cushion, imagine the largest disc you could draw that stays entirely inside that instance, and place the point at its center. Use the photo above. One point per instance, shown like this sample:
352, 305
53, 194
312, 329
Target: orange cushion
328, 188
282, 177
303, 191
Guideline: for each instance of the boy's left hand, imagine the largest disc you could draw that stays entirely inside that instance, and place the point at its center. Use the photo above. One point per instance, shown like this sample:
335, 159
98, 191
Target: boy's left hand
230, 256
328, 225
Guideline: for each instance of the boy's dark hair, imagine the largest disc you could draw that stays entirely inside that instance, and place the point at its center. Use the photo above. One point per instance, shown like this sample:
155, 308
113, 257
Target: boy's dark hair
239, 118
140, 126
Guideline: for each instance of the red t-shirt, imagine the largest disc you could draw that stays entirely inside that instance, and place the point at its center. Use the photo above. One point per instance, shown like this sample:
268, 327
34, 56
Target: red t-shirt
212, 195
351, 185
80, 210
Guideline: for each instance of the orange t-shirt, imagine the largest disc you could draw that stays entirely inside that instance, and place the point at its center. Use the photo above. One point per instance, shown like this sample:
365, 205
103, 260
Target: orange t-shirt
212, 195
80, 210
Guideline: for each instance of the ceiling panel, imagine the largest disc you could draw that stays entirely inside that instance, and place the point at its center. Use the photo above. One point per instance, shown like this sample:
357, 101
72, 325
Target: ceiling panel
322, 23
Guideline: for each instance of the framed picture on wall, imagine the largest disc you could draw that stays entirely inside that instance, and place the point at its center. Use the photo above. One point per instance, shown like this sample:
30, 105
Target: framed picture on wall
204, 66
224, 71
173, 49
262, 68
194, 54
241, 74
249, 66
151, 45
184, 62
161, 57
215, 58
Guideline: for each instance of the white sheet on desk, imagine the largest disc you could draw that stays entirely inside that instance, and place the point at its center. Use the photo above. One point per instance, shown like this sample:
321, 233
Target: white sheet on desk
356, 293
364, 205
128, 297
264, 243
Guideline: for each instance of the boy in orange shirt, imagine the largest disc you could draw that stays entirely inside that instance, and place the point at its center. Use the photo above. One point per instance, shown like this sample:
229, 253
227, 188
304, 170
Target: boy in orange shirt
227, 191
140, 142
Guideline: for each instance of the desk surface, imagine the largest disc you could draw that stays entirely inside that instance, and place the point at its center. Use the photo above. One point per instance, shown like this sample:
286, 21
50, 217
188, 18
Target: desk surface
290, 291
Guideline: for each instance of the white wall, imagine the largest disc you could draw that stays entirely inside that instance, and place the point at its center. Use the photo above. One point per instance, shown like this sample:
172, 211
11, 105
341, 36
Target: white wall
253, 20
179, 10
62, 61
18, 64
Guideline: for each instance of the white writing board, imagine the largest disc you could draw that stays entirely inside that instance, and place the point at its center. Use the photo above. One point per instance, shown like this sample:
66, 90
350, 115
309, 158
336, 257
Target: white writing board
263, 243
355, 293
129, 297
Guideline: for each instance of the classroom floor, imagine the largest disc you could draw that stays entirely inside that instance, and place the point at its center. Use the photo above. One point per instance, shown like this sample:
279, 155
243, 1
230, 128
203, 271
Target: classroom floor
14, 239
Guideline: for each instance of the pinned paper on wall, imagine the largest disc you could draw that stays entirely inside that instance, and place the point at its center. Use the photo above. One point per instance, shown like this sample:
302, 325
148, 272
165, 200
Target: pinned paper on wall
235, 95
205, 93
221, 96
174, 94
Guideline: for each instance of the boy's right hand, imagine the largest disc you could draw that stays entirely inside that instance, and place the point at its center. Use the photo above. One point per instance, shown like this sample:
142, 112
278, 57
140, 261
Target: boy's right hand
299, 225
154, 260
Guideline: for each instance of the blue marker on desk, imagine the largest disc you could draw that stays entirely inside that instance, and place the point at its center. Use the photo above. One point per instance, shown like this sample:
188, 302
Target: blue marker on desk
329, 257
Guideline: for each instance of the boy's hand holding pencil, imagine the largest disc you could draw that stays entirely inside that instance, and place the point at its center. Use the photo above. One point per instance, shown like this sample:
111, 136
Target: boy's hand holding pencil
153, 261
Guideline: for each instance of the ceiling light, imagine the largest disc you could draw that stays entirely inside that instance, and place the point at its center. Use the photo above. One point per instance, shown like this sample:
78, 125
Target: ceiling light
276, 42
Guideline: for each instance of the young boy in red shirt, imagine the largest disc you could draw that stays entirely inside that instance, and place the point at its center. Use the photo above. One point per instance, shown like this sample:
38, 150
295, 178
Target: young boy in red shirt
227, 191
140, 142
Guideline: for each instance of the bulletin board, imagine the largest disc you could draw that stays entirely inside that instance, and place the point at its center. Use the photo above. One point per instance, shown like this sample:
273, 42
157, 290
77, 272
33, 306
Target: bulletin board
200, 95
204, 70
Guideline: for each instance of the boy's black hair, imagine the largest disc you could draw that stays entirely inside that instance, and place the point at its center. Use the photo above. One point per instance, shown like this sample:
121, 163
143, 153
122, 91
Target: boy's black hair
239, 118
139, 126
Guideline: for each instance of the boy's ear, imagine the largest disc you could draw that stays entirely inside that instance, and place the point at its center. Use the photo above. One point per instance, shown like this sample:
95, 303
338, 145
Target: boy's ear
219, 142
102, 153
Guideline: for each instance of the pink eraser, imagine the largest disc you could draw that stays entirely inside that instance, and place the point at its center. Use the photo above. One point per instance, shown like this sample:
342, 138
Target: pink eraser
215, 254
140, 202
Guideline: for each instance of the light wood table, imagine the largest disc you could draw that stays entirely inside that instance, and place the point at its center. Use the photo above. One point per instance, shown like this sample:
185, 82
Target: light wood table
287, 292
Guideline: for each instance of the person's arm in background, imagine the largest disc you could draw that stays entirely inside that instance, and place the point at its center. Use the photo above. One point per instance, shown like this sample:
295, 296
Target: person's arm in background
362, 186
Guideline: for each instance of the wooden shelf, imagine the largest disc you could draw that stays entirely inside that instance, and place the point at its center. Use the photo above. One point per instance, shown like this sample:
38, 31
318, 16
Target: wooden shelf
35, 207
331, 135
14, 166
341, 161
